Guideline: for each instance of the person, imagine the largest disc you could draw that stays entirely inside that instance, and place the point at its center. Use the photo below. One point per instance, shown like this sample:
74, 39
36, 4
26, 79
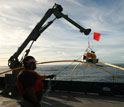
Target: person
30, 83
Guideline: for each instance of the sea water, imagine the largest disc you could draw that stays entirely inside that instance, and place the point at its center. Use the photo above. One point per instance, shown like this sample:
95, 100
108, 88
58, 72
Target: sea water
83, 72
88, 73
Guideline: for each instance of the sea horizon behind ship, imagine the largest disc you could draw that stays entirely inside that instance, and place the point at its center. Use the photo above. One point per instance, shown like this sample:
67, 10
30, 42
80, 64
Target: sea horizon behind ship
88, 73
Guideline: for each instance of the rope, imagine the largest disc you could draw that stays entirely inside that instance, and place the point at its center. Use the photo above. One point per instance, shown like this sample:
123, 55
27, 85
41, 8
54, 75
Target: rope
49, 83
48, 88
106, 71
73, 71
11, 70
42, 63
109, 73
60, 61
74, 67
63, 68
115, 66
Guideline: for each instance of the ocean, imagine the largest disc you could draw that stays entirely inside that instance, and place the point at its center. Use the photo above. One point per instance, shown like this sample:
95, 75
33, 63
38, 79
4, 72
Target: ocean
81, 73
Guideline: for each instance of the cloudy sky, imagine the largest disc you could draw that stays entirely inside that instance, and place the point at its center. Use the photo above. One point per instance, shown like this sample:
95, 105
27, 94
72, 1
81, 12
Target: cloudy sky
63, 40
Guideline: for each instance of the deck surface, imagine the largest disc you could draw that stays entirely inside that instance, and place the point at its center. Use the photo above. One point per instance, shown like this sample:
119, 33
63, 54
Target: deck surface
64, 99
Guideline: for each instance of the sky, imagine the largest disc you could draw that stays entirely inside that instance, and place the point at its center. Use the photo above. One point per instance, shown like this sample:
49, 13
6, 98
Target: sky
62, 40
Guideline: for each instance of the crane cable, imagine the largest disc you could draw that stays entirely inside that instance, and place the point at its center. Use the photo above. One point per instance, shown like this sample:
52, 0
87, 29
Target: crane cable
89, 47
27, 51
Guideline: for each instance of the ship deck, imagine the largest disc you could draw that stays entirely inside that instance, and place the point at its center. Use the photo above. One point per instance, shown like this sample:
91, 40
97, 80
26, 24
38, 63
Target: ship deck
69, 99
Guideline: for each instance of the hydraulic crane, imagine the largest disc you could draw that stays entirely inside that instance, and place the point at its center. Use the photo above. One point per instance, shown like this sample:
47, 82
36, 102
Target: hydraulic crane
56, 10
13, 62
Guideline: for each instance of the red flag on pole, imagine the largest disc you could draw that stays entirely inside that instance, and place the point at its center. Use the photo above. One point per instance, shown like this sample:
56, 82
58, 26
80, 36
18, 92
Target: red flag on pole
96, 36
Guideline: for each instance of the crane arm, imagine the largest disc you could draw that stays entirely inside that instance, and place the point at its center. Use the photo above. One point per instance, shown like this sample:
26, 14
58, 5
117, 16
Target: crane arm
39, 28
60, 14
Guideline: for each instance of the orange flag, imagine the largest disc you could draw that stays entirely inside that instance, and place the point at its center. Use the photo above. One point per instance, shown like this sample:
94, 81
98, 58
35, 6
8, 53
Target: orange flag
96, 36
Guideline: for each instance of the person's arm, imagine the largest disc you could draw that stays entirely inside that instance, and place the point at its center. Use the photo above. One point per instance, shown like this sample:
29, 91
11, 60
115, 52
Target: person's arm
49, 76
43, 77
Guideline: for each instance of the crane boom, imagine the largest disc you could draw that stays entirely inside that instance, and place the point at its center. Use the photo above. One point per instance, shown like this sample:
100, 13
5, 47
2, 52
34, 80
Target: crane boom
39, 28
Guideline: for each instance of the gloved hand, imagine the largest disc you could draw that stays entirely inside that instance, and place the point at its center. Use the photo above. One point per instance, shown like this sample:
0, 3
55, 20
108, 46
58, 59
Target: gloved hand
51, 76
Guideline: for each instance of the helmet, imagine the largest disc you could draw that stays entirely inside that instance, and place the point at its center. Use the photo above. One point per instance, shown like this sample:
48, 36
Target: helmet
27, 58
26, 65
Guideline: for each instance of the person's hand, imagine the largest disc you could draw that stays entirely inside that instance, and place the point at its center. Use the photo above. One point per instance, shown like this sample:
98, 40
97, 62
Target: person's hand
51, 76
